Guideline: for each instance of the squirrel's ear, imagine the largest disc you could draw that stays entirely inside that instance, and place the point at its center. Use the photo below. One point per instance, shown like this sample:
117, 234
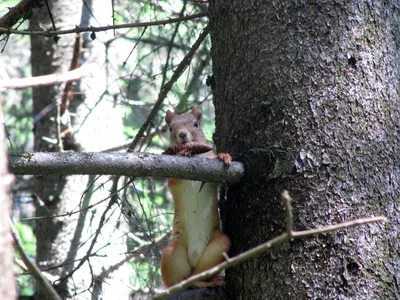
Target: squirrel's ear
169, 116
197, 113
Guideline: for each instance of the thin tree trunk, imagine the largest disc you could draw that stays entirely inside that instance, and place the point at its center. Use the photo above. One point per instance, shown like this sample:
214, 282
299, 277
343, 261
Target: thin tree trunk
54, 194
93, 123
308, 95
7, 278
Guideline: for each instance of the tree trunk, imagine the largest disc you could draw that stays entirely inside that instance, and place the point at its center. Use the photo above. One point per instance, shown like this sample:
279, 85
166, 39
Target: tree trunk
7, 278
53, 235
313, 90
93, 123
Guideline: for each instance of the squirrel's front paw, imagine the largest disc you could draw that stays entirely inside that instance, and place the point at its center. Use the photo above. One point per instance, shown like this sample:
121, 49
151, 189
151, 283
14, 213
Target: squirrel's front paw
225, 158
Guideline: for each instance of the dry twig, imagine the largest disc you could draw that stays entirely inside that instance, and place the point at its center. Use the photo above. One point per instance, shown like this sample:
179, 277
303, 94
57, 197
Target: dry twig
33, 268
52, 33
22, 83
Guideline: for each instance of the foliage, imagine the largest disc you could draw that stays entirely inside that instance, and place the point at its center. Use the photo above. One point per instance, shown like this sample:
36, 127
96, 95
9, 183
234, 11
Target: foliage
28, 240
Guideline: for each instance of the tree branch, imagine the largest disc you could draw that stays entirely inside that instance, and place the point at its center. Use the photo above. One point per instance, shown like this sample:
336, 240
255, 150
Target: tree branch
127, 164
230, 262
52, 33
32, 267
20, 83
23, 9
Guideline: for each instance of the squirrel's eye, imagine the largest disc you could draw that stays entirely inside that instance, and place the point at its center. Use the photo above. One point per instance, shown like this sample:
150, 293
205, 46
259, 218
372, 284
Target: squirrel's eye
170, 129
195, 124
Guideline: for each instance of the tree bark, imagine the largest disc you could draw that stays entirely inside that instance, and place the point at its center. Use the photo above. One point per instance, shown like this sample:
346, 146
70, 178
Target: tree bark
23, 9
127, 164
313, 90
54, 193
7, 278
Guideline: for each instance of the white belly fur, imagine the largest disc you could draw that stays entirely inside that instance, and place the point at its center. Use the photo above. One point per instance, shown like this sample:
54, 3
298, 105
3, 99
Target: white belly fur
197, 213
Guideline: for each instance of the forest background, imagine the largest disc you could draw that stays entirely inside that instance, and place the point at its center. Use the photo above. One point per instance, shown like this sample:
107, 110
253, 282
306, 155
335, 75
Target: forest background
306, 95
133, 64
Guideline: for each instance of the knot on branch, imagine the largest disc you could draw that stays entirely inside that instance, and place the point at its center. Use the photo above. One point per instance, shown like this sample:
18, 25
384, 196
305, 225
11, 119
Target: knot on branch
265, 164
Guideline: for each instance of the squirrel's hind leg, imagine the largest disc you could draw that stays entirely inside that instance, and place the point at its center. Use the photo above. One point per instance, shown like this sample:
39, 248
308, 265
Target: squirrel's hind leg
175, 265
212, 256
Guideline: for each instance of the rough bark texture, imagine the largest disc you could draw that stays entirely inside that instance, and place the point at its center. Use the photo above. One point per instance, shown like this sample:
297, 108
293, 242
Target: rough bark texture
23, 9
313, 89
7, 278
127, 164
53, 192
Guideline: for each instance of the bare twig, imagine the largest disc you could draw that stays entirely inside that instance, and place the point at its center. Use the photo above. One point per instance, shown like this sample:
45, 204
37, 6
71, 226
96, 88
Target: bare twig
33, 268
326, 229
134, 46
50, 14
21, 83
266, 246
113, 15
170, 46
52, 33
167, 87
68, 214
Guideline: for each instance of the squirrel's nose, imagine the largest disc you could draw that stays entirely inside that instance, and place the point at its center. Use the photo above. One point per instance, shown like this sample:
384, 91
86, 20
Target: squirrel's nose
182, 134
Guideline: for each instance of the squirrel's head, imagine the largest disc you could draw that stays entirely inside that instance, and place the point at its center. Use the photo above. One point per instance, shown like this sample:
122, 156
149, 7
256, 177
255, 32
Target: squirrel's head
185, 128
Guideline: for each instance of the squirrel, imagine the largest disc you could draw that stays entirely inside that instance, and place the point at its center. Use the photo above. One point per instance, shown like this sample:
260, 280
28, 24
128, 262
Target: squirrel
198, 242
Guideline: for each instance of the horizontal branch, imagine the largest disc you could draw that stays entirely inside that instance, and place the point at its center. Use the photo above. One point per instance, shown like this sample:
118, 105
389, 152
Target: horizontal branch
52, 33
20, 83
127, 164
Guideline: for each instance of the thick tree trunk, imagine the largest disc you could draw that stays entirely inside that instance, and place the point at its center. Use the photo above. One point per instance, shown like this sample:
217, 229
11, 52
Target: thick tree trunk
313, 92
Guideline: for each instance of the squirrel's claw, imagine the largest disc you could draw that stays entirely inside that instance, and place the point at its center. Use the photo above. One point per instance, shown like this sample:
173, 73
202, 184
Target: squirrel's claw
225, 158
